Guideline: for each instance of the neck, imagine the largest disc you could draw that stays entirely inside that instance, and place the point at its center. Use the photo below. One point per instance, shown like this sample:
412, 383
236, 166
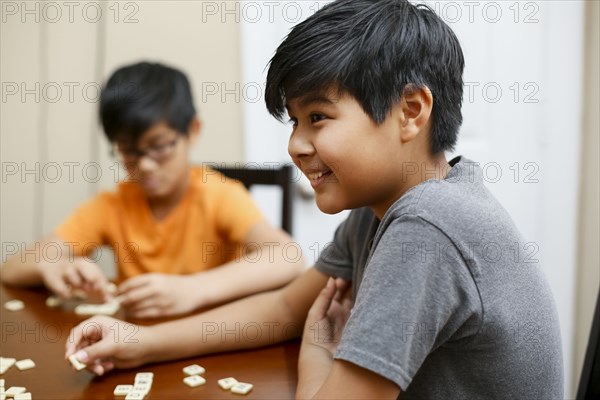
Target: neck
162, 206
414, 173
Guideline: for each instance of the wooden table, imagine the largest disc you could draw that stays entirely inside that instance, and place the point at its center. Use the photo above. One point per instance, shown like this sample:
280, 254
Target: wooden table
40, 333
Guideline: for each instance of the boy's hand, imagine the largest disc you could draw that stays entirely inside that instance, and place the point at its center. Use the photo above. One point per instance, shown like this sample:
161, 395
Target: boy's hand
64, 276
158, 295
328, 315
104, 343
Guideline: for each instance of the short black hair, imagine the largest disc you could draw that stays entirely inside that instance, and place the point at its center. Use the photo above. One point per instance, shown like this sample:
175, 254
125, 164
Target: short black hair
373, 50
140, 95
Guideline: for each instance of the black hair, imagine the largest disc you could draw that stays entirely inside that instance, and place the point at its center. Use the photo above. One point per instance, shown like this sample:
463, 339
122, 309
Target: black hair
138, 96
373, 50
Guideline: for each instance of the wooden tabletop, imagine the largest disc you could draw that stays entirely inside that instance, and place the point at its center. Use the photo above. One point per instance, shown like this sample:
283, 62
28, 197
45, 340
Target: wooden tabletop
40, 333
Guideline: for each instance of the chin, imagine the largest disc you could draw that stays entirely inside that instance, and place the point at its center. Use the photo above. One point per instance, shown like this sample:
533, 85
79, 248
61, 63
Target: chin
154, 193
330, 207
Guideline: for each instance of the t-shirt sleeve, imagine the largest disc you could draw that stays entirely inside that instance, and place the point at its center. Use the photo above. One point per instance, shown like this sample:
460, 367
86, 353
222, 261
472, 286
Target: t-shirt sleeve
336, 258
236, 212
86, 228
415, 295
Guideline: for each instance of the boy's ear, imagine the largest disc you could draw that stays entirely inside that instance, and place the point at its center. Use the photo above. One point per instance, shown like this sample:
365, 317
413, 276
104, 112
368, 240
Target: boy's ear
416, 106
194, 129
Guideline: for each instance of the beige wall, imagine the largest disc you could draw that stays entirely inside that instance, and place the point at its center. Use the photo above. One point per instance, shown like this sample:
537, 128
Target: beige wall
54, 53
588, 280
173, 32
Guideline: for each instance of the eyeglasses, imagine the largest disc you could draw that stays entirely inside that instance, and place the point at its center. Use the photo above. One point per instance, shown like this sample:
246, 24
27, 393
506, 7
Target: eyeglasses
158, 152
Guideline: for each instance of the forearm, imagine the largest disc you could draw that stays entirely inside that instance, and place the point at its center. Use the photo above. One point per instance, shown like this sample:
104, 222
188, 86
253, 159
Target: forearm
256, 321
25, 267
20, 271
256, 272
314, 364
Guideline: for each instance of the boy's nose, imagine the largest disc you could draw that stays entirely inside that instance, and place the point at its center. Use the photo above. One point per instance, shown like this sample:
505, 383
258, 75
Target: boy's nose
300, 146
146, 163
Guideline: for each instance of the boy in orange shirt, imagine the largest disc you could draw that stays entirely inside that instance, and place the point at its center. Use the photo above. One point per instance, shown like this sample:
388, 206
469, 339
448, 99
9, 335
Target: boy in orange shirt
170, 225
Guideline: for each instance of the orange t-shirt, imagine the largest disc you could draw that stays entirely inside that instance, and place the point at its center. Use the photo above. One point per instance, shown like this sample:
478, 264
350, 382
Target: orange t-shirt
206, 229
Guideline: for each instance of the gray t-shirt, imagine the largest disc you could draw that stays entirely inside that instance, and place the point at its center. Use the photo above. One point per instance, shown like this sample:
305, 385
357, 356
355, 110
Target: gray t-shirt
450, 301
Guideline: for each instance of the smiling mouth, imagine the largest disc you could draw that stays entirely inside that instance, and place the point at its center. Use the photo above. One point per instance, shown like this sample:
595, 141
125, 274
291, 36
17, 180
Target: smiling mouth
317, 178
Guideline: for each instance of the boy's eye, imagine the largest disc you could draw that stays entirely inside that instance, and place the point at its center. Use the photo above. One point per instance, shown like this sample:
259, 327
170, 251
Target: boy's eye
159, 146
314, 118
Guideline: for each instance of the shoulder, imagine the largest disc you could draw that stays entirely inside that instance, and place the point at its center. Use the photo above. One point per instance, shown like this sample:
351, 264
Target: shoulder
106, 198
462, 190
410, 240
460, 206
226, 200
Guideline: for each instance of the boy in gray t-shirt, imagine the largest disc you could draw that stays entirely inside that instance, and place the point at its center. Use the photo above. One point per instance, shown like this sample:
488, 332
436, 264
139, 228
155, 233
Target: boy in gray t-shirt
446, 299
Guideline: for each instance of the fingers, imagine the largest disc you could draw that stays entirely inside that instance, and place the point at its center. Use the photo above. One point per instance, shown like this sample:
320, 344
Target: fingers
148, 302
97, 352
80, 274
102, 367
86, 332
135, 282
58, 286
128, 288
323, 300
92, 275
342, 289
97, 369
100, 343
97, 366
108, 366
94, 344
148, 312
71, 276
133, 297
142, 296
344, 294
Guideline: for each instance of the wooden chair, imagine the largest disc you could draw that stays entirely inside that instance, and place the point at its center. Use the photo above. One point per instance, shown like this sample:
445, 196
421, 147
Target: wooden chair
282, 177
